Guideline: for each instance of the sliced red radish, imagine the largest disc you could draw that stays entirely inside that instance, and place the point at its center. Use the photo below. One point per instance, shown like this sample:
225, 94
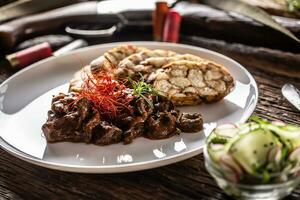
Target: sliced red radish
229, 173
230, 162
227, 130
272, 153
278, 156
295, 154
216, 147
279, 123
226, 126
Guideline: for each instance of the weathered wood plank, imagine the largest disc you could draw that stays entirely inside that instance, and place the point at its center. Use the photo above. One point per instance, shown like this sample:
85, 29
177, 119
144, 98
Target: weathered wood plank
202, 20
270, 60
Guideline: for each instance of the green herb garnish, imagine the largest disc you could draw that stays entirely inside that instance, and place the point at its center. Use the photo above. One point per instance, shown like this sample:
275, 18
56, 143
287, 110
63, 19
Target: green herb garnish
218, 140
141, 88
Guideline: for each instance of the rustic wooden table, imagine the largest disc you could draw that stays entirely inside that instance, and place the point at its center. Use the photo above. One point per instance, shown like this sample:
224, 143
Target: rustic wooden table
184, 180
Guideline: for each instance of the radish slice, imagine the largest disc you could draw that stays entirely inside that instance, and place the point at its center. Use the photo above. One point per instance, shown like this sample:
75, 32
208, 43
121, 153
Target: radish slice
295, 154
278, 156
227, 130
229, 173
274, 155
230, 162
271, 154
216, 147
279, 123
226, 126
246, 128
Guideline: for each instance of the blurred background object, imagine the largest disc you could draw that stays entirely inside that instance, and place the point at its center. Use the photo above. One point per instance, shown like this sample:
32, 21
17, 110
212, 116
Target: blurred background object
117, 20
286, 8
88, 15
21, 8
171, 29
37, 52
55, 41
158, 17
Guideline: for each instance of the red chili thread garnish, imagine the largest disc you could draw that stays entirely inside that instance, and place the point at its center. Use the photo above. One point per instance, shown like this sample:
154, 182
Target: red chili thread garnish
109, 96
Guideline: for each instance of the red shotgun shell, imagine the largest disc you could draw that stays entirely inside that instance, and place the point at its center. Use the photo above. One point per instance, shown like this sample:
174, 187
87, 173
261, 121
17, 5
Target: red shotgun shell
158, 19
172, 27
30, 55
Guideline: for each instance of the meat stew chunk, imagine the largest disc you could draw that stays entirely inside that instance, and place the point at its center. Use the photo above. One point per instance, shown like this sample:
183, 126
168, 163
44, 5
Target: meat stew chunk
75, 119
64, 121
106, 134
160, 126
190, 122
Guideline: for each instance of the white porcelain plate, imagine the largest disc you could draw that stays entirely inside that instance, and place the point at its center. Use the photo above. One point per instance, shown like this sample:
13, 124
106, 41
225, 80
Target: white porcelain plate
25, 99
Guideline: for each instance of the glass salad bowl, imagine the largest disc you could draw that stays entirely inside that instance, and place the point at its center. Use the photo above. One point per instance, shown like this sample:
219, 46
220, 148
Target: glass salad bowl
282, 185
255, 160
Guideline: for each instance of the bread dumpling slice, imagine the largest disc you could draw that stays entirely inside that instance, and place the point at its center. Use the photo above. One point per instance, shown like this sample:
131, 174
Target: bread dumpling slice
191, 83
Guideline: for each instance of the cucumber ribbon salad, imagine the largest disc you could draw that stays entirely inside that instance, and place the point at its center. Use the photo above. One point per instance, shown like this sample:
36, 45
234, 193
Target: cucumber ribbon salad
255, 152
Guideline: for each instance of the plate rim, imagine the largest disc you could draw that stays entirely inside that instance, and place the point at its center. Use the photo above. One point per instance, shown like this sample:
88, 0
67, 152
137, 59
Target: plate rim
126, 167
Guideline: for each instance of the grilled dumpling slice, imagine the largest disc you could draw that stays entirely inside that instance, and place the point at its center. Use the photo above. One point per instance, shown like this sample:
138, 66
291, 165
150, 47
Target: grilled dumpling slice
131, 65
159, 62
115, 55
106, 61
191, 83
78, 77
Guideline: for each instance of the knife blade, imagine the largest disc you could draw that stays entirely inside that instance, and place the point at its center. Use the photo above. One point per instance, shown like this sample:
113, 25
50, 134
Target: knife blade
292, 94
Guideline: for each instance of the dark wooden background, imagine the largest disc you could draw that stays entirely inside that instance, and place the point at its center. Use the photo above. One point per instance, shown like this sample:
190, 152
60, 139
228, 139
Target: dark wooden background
184, 180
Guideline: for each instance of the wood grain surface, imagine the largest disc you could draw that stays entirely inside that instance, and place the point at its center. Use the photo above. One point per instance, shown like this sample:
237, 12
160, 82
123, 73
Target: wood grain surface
184, 180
